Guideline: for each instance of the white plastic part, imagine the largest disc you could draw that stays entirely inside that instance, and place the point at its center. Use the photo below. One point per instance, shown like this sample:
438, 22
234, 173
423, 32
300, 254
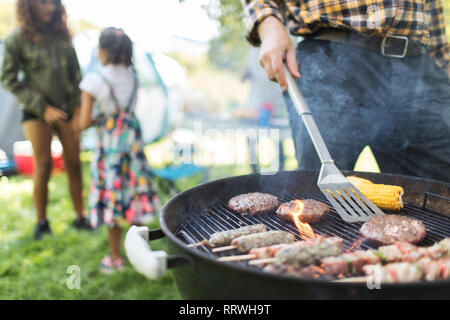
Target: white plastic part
151, 264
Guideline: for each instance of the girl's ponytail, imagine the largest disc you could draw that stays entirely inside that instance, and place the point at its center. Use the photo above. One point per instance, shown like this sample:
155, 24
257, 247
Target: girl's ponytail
117, 45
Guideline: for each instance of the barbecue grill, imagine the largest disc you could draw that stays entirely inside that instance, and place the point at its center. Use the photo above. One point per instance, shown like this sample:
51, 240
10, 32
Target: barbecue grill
196, 213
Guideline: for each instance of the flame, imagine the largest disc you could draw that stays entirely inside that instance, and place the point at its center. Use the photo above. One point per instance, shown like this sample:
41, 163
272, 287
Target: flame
355, 245
319, 269
295, 212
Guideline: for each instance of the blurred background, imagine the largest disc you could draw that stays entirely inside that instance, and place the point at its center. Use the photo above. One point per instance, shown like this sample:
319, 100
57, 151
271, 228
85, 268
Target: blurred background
206, 109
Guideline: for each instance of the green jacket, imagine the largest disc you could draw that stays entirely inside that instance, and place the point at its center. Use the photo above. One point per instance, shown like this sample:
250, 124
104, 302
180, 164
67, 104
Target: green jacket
41, 73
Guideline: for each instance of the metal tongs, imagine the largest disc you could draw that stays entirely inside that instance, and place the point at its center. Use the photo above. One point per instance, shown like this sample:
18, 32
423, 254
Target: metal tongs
348, 201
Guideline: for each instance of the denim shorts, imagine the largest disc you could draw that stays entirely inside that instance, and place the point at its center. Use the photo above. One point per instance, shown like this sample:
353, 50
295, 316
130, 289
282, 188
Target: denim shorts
30, 116
399, 107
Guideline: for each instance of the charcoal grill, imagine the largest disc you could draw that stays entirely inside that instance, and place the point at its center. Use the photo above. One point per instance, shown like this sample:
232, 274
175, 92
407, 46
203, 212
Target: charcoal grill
195, 214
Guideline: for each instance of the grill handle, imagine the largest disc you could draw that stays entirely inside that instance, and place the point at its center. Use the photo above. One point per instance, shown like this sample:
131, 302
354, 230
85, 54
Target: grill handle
151, 264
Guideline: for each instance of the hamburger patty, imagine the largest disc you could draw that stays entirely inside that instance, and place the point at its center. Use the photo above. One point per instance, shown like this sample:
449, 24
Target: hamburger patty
253, 203
390, 228
314, 211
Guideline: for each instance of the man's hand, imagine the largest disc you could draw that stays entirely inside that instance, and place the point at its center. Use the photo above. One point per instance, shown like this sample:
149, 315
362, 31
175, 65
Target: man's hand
276, 47
52, 115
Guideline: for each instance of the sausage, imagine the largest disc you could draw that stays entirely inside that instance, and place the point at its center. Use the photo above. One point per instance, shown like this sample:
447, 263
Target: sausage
262, 239
225, 237
310, 251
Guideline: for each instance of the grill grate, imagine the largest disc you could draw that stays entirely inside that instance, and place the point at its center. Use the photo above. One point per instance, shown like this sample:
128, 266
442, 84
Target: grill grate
219, 218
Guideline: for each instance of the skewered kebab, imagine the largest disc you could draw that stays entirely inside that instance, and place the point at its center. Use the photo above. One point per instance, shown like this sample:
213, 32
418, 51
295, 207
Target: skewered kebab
305, 253
258, 240
296, 271
425, 268
353, 262
349, 263
256, 253
223, 238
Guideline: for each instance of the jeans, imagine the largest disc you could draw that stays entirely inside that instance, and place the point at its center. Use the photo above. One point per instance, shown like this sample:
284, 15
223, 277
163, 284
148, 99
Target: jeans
399, 107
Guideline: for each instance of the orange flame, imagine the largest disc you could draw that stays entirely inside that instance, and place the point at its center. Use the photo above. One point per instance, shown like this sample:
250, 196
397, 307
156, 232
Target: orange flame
304, 228
355, 245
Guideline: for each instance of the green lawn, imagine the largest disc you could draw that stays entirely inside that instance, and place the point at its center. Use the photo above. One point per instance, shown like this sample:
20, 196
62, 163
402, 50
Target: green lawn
38, 269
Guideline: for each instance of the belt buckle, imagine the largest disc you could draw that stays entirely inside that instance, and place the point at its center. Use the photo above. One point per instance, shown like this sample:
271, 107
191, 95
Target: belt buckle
399, 56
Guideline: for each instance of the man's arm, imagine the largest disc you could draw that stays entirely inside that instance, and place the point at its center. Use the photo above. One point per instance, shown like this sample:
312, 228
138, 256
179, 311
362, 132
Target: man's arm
277, 48
264, 27
439, 48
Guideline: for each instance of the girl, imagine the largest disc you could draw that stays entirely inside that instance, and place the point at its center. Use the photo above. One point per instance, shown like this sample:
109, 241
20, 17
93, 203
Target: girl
120, 186
41, 69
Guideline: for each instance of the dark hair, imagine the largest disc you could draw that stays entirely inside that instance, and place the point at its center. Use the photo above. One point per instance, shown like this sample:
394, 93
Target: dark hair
33, 29
117, 45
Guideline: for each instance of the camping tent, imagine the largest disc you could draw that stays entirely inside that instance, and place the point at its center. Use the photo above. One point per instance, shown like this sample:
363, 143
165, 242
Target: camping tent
10, 117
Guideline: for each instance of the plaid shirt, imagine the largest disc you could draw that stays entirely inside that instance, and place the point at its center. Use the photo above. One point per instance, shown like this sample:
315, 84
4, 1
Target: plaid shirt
420, 20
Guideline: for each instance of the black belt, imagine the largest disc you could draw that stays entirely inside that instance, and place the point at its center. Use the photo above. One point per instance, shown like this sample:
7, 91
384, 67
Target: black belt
390, 46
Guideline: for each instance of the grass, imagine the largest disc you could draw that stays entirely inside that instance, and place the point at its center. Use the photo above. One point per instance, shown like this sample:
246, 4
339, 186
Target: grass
38, 269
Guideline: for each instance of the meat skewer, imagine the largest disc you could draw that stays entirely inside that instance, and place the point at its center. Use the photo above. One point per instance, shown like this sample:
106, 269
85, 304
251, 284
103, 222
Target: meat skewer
292, 270
256, 253
305, 253
222, 238
354, 262
258, 240
424, 268
349, 263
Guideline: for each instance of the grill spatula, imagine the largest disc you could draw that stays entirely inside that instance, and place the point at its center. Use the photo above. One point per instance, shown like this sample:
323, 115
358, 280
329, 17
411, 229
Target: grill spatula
348, 201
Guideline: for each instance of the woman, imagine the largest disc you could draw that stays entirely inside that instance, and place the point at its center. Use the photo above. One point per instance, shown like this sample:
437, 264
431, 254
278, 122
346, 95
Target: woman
41, 50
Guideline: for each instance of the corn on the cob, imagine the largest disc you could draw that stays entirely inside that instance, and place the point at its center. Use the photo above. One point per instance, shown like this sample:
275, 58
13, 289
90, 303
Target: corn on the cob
384, 196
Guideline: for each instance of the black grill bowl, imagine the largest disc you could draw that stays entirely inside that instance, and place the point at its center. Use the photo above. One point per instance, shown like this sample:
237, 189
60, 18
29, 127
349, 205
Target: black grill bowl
197, 212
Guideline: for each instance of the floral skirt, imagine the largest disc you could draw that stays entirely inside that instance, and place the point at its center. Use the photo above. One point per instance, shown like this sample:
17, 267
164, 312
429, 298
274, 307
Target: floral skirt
121, 185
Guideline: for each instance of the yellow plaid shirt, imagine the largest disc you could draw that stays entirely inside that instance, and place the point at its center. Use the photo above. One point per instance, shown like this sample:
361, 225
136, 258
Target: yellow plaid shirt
420, 20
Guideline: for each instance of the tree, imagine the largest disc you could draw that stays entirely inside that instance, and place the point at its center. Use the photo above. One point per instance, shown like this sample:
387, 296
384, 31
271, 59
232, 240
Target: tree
229, 49
7, 21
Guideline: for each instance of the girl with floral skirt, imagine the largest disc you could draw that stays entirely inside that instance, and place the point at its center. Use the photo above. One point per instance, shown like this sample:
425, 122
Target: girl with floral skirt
121, 187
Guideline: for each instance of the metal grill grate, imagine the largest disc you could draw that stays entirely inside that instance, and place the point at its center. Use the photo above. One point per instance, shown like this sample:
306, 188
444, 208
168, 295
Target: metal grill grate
219, 218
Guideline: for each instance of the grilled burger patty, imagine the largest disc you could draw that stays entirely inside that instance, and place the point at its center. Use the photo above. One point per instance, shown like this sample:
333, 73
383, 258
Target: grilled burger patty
314, 211
391, 228
253, 203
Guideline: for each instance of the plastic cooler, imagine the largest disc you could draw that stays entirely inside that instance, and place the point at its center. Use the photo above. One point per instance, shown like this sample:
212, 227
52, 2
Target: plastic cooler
23, 156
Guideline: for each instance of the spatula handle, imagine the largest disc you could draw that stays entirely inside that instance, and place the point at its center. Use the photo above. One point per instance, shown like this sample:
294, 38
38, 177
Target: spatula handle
304, 111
